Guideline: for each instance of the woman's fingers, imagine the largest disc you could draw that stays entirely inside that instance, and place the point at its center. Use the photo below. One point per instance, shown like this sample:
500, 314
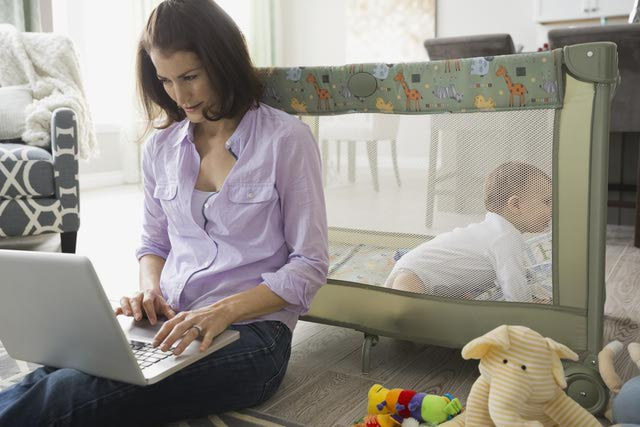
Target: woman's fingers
148, 303
135, 302
182, 328
207, 339
178, 331
165, 331
125, 307
188, 337
167, 311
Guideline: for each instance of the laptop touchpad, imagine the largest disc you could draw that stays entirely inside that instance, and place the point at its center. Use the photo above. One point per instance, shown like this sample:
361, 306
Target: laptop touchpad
139, 331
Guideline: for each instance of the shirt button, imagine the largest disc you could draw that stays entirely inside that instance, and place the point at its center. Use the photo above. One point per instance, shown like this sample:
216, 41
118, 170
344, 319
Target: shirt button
251, 194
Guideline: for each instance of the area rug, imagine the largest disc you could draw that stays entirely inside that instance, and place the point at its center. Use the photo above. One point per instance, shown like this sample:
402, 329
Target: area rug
12, 371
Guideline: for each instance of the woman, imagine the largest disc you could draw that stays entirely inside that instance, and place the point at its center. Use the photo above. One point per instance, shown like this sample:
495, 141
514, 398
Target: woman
234, 234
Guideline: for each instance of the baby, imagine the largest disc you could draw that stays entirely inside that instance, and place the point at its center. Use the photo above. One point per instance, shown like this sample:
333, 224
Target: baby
469, 260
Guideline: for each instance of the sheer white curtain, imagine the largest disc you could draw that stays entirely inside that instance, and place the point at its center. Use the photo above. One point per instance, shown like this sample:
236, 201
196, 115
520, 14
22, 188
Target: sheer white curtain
260, 22
105, 35
265, 34
389, 30
22, 14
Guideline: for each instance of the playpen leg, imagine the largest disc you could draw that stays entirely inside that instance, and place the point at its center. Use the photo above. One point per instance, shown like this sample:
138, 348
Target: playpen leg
369, 342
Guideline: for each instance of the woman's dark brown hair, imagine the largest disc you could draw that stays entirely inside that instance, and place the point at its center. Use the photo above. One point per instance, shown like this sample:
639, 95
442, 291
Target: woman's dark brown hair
203, 28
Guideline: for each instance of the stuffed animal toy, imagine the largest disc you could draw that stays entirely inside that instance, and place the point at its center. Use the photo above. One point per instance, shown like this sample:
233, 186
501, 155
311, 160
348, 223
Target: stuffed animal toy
520, 384
625, 406
404, 399
380, 420
378, 412
395, 407
432, 409
388, 404
377, 393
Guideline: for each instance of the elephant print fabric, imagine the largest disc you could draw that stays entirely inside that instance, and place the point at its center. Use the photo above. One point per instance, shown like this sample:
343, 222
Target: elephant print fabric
521, 382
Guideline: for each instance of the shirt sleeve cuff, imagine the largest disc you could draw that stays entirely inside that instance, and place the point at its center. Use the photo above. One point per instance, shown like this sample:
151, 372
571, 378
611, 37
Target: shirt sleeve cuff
145, 250
296, 291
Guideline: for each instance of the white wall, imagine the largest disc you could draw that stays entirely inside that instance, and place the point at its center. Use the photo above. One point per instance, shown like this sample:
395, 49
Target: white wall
516, 17
314, 33
469, 17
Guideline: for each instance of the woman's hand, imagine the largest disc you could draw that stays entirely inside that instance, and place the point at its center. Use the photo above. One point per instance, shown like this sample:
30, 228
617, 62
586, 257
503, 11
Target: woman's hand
186, 326
149, 303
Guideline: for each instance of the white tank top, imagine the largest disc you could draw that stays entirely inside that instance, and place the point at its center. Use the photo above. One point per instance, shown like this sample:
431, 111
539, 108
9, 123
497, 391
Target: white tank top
198, 199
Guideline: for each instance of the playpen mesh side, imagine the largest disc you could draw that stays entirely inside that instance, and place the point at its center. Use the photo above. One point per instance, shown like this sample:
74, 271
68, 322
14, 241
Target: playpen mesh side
453, 205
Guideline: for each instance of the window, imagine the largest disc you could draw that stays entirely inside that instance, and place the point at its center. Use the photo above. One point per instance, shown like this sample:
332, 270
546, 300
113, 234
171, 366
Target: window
105, 35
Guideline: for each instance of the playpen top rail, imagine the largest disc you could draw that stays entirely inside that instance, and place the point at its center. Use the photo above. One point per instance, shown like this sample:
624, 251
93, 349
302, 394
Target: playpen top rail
509, 82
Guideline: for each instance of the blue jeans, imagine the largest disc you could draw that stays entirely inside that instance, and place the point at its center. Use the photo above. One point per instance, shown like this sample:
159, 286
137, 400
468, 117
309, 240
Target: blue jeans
242, 374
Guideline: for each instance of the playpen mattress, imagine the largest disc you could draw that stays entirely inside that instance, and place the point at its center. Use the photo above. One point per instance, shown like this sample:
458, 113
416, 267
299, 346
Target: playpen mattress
371, 265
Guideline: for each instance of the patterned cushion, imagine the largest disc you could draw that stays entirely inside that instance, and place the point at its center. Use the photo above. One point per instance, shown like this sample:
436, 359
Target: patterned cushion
39, 190
26, 217
25, 171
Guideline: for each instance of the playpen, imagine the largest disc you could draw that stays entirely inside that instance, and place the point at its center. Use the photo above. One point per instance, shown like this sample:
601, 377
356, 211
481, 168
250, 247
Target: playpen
446, 126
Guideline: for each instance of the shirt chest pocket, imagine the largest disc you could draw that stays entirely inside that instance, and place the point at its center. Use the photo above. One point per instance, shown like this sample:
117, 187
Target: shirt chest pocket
250, 206
251, 193
167, 194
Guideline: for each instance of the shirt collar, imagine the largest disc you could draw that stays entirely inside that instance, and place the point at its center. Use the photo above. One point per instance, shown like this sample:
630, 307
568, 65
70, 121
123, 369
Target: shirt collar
184, 132
236, 142
502, 222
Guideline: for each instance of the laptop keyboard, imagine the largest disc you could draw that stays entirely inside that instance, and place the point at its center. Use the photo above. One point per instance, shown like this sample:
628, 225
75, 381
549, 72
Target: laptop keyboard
147, 355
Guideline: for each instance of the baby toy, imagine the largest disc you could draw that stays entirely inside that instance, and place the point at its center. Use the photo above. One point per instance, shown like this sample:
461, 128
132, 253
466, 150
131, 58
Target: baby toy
395, 407
625, 407
520, 384
432, 409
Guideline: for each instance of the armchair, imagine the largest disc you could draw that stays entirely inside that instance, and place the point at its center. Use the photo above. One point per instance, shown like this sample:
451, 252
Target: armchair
39, 187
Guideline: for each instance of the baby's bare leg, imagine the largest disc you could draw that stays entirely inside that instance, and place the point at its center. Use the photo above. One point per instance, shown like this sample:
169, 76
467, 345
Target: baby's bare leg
408, 281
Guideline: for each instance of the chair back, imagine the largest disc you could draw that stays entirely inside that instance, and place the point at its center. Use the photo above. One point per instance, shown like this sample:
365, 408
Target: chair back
625, 107
469, 46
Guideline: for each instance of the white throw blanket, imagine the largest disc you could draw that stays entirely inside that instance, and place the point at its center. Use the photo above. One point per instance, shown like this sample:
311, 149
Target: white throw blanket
48, 64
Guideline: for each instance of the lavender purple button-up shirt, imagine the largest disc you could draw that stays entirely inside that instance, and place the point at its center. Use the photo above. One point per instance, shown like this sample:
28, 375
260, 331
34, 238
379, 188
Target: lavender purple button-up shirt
266, 225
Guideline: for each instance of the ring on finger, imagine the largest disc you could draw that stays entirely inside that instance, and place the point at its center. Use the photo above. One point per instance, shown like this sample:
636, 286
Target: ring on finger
198, 328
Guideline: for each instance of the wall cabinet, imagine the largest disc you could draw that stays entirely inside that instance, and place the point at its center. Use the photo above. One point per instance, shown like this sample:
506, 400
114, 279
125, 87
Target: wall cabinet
571, 10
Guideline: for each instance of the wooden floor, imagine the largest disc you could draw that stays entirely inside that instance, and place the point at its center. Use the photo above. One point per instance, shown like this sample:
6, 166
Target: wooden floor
324, 385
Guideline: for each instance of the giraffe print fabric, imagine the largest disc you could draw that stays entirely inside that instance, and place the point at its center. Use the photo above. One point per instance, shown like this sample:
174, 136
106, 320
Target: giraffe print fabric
510, 82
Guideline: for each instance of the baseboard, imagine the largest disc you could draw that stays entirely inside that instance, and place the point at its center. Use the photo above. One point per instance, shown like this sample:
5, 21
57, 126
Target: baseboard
101, 179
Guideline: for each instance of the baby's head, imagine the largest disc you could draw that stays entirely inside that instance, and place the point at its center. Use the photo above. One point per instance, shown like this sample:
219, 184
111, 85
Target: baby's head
521, 193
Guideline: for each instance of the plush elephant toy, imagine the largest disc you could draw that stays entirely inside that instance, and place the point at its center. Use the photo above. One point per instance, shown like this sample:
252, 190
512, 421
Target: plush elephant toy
520, 384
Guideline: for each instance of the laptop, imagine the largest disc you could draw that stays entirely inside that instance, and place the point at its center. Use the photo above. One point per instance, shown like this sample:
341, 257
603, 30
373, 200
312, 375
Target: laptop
54, 311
